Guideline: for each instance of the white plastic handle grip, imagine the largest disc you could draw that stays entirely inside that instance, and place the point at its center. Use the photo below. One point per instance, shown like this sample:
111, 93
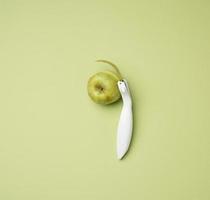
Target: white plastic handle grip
125, 126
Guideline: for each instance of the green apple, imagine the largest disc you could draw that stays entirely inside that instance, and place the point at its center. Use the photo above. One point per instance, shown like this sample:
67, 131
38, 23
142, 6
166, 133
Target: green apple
102, 86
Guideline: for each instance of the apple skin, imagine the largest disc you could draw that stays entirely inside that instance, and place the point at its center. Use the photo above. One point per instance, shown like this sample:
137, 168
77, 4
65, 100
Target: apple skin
102, 87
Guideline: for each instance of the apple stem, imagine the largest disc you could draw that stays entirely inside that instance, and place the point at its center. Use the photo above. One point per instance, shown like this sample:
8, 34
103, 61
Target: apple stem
113, 65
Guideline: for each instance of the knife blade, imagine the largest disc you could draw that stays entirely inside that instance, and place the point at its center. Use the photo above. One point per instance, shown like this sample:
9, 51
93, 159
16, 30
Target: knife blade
125, 125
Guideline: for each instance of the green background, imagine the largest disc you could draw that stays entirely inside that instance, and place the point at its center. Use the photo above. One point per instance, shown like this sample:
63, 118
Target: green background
55, 143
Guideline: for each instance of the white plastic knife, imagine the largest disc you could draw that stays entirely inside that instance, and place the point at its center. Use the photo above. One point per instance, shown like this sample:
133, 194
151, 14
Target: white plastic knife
125, 126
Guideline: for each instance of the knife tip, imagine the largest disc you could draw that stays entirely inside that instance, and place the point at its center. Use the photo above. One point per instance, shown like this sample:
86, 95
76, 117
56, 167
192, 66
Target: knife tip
120, 156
